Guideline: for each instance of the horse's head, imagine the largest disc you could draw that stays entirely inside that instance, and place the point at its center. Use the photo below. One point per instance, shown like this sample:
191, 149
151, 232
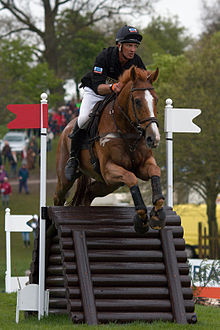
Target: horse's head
141, 103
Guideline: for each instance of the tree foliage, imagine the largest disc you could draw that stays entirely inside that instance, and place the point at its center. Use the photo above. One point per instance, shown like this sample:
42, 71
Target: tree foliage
211, 16
163, 36
22, 79
78, 49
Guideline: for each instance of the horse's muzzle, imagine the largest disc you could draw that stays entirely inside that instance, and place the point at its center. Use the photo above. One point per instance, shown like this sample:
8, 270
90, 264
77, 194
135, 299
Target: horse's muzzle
152, 142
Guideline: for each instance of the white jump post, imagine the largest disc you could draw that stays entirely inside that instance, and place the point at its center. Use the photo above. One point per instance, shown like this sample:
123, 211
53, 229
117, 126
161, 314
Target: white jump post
43, 179
176, 120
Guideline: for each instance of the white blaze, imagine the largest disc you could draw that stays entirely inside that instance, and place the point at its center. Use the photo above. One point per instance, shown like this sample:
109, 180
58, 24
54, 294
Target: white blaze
149, 98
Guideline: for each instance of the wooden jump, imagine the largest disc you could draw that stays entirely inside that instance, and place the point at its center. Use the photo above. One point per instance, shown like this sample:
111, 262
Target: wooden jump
99, 270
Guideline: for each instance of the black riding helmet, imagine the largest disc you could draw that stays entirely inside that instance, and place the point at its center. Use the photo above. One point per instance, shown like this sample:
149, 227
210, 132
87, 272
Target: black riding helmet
128, 34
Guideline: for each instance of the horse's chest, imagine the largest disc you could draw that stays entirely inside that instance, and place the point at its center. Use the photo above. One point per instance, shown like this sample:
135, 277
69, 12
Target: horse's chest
124, 158
120, 154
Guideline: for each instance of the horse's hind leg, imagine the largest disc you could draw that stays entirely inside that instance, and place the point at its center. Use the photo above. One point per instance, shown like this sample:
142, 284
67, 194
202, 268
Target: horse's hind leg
59, 198
99, 189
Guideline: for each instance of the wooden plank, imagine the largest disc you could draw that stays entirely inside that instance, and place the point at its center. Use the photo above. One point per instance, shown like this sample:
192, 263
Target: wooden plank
86, 286
124, 305
129, 243
113, 231
124, 292
174, 282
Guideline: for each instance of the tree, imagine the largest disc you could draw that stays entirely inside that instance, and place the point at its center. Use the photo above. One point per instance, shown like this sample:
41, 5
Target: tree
211, 17
194, 83
163, 36
79, 49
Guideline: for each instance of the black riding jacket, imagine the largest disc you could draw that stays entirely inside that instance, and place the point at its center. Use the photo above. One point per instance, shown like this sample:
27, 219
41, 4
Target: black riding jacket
107, 68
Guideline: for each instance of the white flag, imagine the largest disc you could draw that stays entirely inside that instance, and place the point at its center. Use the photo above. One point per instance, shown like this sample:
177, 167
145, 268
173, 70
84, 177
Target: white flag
180, 120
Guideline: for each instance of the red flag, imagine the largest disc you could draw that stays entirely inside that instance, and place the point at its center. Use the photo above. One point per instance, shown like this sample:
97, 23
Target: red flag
28, 115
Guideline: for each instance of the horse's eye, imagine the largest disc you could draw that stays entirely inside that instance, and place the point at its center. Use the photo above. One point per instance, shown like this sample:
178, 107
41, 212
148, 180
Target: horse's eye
138, 103
156, 100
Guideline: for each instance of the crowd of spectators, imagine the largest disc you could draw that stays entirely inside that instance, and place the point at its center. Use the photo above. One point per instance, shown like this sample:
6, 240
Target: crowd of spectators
59, 118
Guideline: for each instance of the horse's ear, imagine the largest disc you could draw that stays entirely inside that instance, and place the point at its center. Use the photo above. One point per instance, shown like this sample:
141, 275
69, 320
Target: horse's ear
153, 76
133, 73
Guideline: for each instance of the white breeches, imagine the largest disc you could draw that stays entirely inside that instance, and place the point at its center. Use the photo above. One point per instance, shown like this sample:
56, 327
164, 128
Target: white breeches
90, 98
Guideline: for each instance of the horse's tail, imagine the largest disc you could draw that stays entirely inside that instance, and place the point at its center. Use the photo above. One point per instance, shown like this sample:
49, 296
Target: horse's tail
80, 190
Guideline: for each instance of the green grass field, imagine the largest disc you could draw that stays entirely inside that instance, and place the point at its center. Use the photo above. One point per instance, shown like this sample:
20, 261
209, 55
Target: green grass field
208, 317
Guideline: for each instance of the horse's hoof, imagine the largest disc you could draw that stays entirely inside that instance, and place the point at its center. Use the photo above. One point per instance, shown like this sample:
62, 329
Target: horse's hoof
157, 218
140, 226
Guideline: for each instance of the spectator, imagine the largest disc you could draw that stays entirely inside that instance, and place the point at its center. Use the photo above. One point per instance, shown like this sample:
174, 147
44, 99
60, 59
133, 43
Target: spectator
5, 193
55, 122
69, 115
6, 152
3, 173
24, 156
34, 144
13, 162
31, 156
50, 137
62, 118
26, 239
23, 175
72, 105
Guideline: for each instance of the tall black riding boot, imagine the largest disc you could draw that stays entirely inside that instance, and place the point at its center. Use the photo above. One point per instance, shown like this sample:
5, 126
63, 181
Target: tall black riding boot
73, 162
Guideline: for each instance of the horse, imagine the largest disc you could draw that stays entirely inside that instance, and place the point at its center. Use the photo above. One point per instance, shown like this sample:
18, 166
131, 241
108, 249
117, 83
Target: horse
127, 133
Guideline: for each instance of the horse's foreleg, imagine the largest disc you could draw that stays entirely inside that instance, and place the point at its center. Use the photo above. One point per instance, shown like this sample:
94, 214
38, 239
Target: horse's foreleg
116, 174
152, 171
141, 221
157, 215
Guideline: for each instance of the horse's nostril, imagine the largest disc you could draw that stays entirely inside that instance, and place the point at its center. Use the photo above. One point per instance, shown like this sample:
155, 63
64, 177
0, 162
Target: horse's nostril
150, 142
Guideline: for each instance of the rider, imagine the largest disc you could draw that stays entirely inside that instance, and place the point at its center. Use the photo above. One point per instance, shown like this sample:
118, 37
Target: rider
101, 81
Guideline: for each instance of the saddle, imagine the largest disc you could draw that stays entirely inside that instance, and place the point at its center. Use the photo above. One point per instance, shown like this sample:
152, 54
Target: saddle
92, 129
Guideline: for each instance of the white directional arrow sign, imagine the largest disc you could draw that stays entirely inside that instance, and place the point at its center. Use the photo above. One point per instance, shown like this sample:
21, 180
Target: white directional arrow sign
17, 223
178, 120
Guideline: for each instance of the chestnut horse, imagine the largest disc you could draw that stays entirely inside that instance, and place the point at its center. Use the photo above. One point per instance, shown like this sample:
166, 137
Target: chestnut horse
127, 132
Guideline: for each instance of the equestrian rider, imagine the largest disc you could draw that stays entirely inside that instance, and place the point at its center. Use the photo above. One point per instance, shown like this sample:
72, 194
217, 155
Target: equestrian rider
101, 81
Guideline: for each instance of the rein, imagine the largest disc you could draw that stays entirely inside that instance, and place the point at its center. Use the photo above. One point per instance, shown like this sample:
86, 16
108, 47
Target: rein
137, 123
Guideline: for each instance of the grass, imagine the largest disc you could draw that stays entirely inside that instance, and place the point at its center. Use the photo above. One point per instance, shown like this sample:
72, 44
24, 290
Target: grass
208, 317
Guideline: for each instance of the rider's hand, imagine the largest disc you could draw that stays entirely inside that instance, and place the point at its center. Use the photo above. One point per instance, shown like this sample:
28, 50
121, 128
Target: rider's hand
117, 87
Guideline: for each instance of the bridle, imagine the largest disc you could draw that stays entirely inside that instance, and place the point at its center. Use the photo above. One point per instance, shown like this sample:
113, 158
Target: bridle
135, 124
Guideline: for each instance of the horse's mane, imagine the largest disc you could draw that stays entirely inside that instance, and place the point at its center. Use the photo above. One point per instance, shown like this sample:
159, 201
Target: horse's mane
126, 77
